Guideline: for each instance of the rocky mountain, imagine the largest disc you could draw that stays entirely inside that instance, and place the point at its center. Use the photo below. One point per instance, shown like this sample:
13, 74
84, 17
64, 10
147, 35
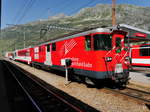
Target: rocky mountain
58, 16
98, 16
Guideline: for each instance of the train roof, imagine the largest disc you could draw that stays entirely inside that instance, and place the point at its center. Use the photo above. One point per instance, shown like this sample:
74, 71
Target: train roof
24, 48
143, 45
134, 30
127, 28
77, 35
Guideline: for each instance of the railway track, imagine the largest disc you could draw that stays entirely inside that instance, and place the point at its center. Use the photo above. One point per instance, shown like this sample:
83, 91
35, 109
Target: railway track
134, 93
46, 98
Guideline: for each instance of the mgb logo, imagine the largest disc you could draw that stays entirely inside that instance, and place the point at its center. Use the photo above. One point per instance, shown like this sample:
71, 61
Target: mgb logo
67, 47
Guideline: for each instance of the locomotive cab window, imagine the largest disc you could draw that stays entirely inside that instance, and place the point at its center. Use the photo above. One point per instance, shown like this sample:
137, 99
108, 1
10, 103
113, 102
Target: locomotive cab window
88, 42
15, 54
48, 48
102, 42
118, 42
53, 46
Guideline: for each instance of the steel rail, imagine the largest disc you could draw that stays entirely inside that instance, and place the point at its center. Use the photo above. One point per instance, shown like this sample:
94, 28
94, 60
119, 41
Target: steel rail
131, 95
29, 96
58, 96
145, 92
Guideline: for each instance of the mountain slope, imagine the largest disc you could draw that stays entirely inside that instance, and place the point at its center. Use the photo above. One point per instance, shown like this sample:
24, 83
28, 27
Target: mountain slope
99, 15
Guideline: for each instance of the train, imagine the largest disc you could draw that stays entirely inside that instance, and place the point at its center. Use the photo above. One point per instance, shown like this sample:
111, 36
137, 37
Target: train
140, 55
9, 55
97, 54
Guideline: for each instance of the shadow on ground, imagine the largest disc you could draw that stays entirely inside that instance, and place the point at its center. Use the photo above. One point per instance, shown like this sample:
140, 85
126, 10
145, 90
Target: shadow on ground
147, 75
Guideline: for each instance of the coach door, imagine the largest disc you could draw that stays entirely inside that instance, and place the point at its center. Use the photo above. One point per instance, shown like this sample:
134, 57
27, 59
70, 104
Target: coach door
48, 60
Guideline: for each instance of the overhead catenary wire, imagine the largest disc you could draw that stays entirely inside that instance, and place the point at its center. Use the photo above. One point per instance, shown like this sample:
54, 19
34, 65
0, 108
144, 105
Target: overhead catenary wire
84, 5
22, 10
19, 11
56, 26
61, 3
26, 10
81, 6
65, 5
26, 7
64, 28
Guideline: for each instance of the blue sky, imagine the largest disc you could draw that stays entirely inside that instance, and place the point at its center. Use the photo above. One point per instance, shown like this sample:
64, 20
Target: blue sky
23, 11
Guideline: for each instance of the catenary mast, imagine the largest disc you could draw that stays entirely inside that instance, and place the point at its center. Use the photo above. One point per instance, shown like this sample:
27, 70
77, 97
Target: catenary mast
113, 13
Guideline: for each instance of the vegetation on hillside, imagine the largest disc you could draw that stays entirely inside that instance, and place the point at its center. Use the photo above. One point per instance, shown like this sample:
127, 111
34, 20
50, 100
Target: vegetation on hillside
13, 37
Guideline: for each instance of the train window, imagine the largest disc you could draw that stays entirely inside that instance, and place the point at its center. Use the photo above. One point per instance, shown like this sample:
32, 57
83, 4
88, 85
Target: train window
126, 41
15, 54
36, 49
145, 50
53, 46
118, 42
102, 42
88, 42
48, 48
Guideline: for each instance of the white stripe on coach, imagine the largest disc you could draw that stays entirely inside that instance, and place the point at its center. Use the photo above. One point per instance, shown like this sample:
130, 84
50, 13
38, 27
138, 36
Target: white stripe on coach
143, 61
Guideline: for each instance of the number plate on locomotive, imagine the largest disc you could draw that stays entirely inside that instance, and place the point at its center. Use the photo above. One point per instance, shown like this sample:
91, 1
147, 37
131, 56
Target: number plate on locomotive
118, 68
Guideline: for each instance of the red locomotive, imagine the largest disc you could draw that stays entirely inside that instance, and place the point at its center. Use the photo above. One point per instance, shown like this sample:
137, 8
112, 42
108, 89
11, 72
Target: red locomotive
97, 54
140, 55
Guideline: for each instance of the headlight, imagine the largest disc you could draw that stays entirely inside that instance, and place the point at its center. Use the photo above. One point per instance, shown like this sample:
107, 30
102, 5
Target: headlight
108, 59
127, 58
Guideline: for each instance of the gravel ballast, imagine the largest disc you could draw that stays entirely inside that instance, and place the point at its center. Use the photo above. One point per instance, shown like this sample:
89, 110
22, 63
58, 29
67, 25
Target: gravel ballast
97, 98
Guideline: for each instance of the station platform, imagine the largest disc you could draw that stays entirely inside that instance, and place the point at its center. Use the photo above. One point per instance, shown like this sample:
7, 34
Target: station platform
140, 76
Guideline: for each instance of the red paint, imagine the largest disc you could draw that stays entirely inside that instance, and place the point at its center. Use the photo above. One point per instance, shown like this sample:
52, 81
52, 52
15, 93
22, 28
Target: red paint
74, 48
135, 54
140, 35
